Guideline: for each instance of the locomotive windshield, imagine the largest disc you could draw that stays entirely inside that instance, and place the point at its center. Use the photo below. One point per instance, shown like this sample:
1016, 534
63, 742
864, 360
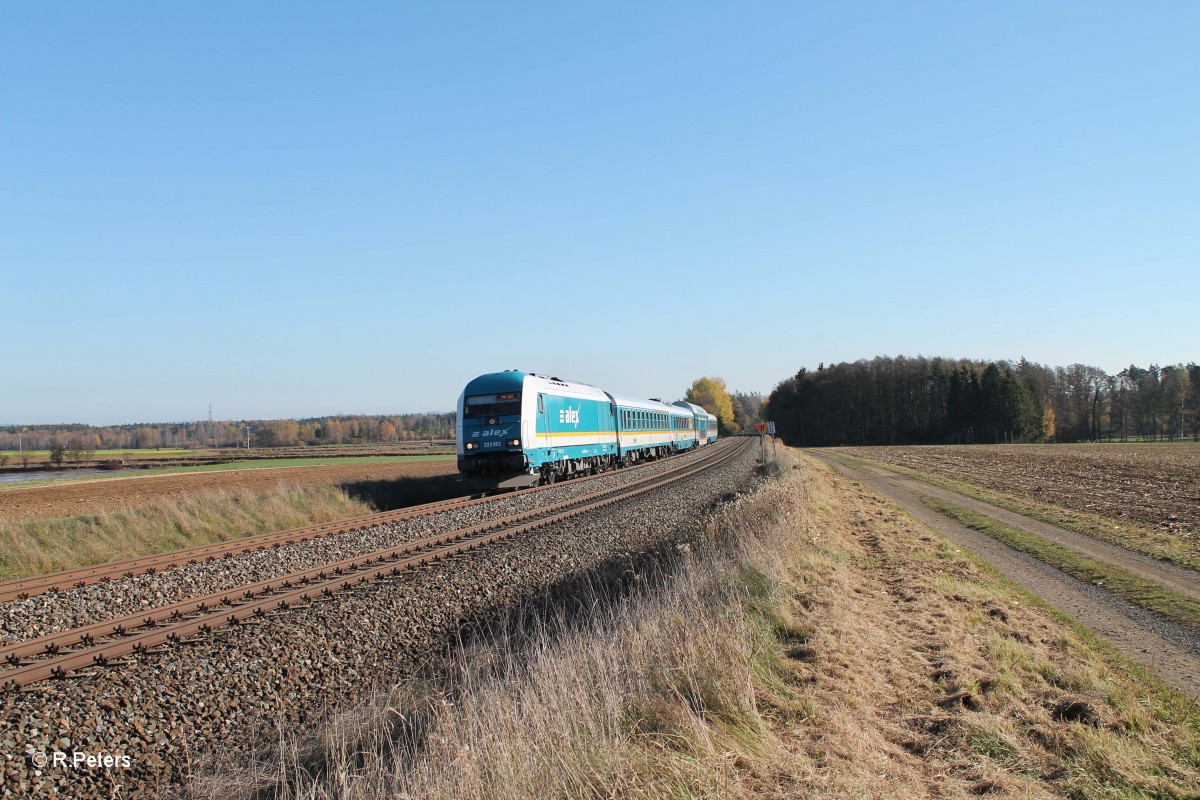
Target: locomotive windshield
492, 405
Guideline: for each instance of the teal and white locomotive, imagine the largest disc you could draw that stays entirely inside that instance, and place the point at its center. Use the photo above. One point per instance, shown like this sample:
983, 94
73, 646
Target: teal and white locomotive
519, 429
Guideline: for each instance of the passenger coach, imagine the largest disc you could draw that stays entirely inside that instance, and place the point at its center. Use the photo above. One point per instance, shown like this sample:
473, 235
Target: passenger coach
704, 422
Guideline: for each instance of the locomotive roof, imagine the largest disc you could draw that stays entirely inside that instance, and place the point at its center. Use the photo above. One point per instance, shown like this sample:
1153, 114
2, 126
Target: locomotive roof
496, 382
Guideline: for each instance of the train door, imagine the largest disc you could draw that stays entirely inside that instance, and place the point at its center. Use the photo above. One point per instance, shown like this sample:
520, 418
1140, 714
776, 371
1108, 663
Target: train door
543, 423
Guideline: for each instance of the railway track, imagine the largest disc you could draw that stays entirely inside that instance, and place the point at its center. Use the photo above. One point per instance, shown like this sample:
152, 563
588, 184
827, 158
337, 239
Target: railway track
105, 643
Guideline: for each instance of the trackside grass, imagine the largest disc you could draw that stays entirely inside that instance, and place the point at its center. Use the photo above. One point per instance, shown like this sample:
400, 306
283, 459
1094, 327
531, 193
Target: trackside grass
36, 546
810, 642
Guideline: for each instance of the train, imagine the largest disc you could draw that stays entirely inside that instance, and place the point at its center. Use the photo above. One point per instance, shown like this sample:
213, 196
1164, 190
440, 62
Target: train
519, 429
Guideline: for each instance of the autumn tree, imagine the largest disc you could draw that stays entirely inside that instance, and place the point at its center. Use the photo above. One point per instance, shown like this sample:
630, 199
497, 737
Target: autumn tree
1048, 423
76, 447
711, 394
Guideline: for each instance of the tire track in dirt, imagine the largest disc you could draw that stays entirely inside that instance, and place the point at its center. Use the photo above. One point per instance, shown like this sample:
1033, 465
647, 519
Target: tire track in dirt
1169, 650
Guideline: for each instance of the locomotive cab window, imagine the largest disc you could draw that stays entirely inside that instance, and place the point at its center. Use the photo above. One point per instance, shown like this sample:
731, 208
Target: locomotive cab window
493, 405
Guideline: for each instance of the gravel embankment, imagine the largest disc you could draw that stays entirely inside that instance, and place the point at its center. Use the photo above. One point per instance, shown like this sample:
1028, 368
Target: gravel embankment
215, 696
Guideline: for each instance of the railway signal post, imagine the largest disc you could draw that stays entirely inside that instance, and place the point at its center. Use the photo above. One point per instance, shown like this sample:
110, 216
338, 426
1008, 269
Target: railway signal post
762, 442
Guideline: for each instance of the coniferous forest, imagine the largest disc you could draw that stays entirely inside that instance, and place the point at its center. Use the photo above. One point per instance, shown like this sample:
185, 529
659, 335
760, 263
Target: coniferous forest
897, 401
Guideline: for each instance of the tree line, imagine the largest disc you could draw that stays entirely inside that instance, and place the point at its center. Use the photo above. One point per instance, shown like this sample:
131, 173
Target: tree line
344, 429
895, 401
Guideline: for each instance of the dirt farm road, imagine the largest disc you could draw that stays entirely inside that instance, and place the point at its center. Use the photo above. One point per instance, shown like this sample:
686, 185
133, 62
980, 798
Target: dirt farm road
1169, 650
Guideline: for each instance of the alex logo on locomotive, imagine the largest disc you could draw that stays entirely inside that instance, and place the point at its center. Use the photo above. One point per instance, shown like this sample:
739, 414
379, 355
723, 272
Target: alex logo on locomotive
569, 416
490, 432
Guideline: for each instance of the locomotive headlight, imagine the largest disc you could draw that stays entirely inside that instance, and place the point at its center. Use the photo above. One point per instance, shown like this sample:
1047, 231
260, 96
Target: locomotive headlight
515, 443
470, 446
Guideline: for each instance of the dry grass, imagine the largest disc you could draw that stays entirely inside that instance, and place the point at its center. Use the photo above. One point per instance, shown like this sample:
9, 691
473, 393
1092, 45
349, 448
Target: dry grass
36, 546
815, 644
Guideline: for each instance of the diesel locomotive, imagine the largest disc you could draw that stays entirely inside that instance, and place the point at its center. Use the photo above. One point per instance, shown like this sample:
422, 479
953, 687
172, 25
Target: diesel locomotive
519, 429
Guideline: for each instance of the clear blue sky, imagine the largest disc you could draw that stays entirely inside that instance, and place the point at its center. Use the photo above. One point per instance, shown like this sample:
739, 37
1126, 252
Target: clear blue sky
295, 209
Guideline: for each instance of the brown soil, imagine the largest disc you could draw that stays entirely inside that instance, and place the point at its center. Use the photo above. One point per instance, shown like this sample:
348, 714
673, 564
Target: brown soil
111, 494
1155, 486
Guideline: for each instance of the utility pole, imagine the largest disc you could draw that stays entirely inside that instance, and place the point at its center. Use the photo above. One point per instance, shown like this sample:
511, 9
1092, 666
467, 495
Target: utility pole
247, 427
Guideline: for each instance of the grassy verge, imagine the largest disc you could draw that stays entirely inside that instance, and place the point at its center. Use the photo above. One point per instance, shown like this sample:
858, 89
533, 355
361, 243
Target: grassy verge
1128, 585
814, 643
262, 463
1155, 544
31, 547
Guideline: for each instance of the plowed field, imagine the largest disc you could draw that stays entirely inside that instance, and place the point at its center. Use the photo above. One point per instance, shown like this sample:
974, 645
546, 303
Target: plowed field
122, 492
1151, 486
